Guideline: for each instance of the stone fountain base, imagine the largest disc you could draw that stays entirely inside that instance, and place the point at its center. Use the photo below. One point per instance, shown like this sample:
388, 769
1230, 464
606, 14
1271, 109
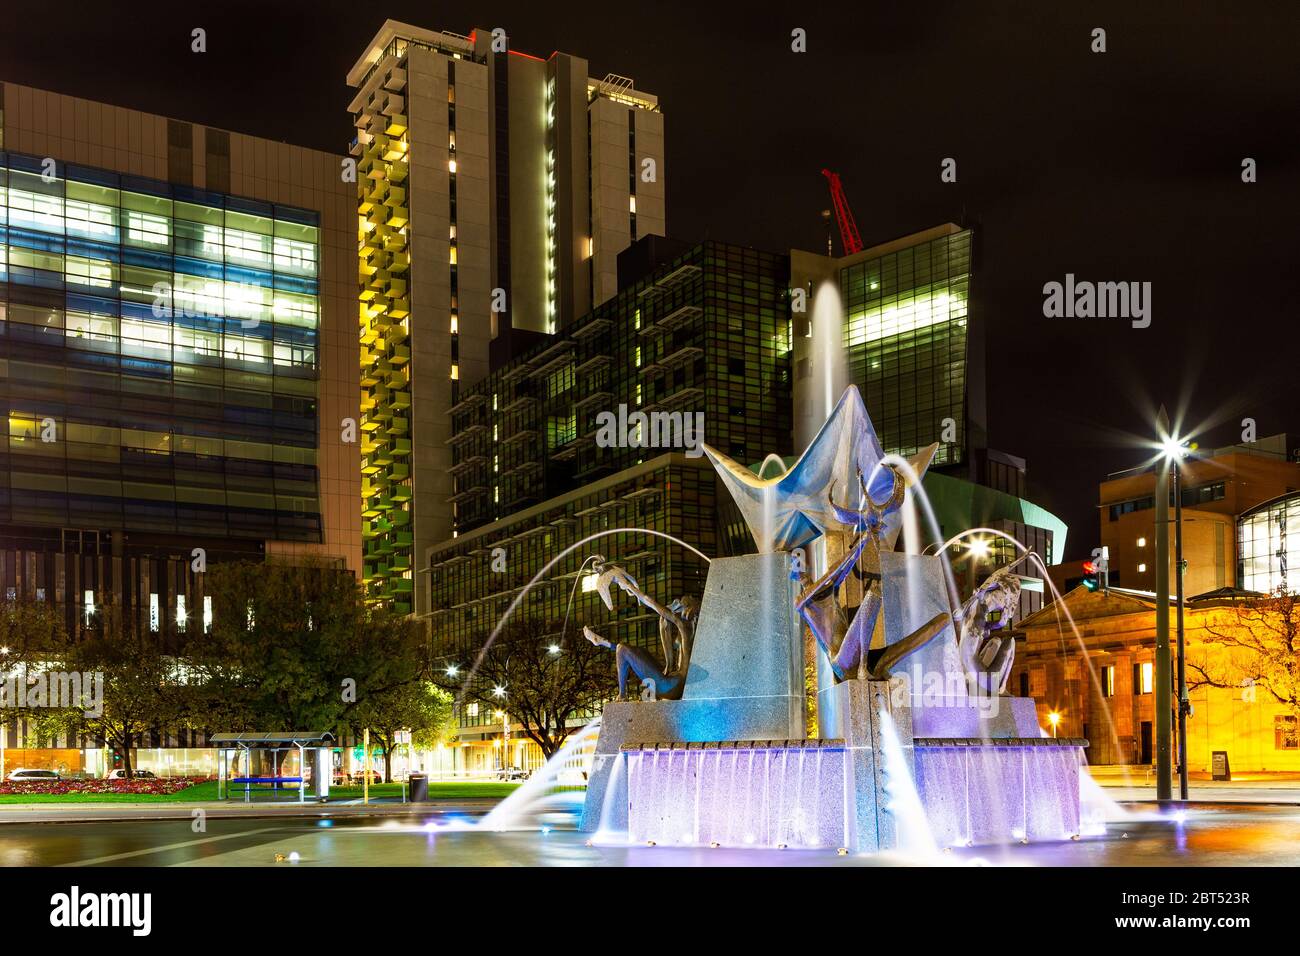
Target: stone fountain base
979, 771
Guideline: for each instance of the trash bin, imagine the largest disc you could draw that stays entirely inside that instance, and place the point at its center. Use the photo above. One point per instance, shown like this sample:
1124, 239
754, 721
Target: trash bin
418, 784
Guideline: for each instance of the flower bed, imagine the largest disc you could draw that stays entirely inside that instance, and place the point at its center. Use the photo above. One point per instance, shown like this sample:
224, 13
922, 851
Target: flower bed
150, 786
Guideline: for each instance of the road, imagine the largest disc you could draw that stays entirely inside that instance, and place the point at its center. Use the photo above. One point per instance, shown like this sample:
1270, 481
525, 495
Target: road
1208, 836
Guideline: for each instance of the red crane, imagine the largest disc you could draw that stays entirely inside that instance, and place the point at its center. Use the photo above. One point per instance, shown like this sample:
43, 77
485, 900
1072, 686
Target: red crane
843, 215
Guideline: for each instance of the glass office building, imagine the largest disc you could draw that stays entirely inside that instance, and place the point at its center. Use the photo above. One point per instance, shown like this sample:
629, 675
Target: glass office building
158, 356
1268, 546
706, 332
906, 339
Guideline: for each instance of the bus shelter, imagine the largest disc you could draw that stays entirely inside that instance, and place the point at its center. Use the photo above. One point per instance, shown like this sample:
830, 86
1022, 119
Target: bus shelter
274, 764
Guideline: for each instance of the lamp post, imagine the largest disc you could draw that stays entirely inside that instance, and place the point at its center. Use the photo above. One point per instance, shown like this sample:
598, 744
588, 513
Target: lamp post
505, 738
1177, 450
1164, 790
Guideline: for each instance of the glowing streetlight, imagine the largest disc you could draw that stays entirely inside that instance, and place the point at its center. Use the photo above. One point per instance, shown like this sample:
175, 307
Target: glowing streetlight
553, 649
1054, 719
452, 670
1173, 450
979, 548
498, 691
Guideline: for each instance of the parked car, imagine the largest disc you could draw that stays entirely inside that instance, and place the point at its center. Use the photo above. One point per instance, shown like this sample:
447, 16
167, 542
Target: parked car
23, 775
512, 774
139, 775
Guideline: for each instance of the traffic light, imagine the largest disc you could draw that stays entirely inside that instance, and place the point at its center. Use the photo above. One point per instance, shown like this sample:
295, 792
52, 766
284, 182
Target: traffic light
1090, 575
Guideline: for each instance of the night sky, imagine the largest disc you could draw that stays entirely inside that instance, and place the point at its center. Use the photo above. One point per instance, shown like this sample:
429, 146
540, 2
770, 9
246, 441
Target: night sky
1122, 166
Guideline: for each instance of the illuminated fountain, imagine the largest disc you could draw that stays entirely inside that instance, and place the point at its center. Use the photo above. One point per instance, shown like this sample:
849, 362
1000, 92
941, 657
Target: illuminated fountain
919, 744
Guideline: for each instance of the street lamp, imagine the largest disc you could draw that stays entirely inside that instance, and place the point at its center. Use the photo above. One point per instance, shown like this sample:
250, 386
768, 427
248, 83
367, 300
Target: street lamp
553, 649
1172, 451
505, 736
1175, 450
452, 670
1054, 719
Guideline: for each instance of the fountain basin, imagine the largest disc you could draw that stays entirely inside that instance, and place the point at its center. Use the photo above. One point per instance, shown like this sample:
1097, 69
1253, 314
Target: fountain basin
802, 793
976, 791
737, 793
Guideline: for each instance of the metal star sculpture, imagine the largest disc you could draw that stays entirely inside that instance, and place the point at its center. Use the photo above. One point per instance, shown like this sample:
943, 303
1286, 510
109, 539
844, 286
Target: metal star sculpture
793, 509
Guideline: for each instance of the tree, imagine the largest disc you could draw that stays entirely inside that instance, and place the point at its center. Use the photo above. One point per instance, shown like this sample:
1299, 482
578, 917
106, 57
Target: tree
543, 684
1259, 642
296, 647
29, 631
142, 690
417, 706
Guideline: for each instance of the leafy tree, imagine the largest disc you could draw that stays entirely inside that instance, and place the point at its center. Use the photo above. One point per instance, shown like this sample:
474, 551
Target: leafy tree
543, 689
29, 630
297, 647
142, 689
1261, 638
417, 706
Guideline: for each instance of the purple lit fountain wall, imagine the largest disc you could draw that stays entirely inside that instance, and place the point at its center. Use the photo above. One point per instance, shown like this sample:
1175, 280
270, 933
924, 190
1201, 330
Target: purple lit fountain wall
999, 792
738, 795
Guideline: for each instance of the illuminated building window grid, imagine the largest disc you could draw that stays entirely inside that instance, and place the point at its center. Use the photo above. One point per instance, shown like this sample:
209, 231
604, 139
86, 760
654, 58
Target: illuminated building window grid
743, 314
1268, 547
906, 339
182, 325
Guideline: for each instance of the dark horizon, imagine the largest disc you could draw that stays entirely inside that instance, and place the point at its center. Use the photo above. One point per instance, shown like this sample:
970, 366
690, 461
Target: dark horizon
1123, 166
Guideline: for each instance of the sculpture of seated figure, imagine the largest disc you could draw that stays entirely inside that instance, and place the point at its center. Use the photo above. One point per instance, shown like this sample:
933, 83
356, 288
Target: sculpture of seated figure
676, 632
849, 647
986, 656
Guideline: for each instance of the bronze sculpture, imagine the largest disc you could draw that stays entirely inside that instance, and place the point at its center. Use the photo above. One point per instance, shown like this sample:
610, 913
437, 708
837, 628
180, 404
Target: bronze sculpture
986, 655
676, 632
848, 646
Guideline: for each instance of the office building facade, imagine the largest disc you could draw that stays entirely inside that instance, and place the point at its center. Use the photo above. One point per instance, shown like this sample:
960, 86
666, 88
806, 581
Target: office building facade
177, 358
495, 191
705, 333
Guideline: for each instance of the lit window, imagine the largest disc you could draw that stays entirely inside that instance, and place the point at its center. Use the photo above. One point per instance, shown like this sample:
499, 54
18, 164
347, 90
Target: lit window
452, 258
1146, 677
451, 165
1142, 542
1286, 732
455, 373
631, 203
1142, 569
207, 614
182, 615
589, 582
88, 605
472, 710
154, 612
1107, 678
455, 323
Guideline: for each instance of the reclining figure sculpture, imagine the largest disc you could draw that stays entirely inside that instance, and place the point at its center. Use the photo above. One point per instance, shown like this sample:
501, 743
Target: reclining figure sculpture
848, 647
986, 656
676, 632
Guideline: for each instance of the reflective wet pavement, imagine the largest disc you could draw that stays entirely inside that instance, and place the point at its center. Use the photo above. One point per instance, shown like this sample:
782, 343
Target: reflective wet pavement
1208, 836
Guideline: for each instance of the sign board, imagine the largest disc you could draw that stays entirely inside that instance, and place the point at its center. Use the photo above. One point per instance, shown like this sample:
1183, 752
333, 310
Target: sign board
1220, 765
